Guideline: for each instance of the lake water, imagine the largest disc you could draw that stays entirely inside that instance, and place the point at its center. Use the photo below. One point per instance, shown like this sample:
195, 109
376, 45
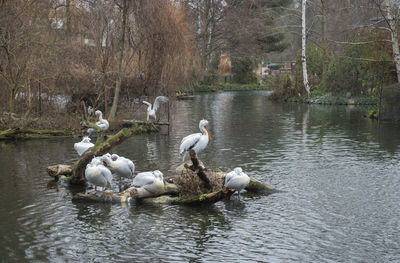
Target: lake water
338, 173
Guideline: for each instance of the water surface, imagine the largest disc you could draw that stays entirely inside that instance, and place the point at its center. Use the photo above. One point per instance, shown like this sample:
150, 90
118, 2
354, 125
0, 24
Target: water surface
338, 172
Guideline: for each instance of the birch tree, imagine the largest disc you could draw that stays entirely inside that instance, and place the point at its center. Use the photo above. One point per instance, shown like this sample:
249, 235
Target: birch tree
303, 46
391, 21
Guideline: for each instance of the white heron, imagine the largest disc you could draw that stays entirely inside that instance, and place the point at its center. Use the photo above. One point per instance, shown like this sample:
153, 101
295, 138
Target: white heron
151, 109
100, 122
98, 175
237, 180
196, 141
82, 146
151, 181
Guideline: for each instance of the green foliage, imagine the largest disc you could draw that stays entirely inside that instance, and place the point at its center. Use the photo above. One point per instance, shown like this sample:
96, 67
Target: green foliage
242, 68
228, 87
356, 69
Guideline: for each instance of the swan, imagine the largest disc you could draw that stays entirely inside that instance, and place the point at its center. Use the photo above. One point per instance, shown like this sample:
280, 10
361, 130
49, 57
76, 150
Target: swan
237, 180
82, 146
98, 175
151, 181
100, 122
196, 141
151, 110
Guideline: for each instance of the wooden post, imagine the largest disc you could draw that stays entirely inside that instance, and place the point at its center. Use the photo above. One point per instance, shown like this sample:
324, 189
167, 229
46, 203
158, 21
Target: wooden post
199, 168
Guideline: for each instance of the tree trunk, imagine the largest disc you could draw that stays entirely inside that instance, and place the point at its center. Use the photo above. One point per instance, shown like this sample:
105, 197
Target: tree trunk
303, 46
395, 40
324, 45
12, 100
120, 57
97, 150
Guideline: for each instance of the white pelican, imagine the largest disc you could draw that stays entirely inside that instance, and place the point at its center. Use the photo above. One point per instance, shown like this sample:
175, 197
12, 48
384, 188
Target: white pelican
237, 180
102, 123
151, 181
131, 165
151, 111
98, 175
196, 141
82, 146
121, 167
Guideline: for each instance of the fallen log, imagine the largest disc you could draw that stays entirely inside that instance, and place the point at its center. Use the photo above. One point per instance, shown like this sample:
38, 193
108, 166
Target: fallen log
133, 122
58, 170
78, 174
25, 133
129, 195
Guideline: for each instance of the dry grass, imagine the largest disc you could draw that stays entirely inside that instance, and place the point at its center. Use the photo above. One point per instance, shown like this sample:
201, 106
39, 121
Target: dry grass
190, 184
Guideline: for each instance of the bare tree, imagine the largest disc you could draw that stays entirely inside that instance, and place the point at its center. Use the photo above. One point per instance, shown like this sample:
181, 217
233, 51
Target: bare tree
113, 110
303, 46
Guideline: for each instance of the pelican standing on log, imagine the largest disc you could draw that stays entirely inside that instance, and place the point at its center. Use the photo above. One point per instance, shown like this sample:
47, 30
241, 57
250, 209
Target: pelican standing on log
98, 175
121, 166
237, 180
100, 122
196, 141
151, 109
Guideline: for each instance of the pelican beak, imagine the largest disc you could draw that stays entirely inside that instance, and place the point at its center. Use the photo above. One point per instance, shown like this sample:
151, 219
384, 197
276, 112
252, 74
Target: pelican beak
208, 133
97, 117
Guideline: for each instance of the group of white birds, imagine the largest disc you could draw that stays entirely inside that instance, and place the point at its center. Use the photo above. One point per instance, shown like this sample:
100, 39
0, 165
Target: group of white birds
99, 172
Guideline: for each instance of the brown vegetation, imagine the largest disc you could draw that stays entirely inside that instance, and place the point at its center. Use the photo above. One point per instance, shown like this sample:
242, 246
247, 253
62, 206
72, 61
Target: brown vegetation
54, 55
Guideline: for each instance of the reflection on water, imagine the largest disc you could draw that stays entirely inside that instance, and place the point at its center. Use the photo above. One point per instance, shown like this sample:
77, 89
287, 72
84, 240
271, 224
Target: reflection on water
338, 172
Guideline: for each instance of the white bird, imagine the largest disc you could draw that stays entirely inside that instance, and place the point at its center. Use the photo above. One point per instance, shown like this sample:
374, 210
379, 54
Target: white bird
196, 141
151, 181
131, 165
151, 110
100, 122
90, 110
237, 180
82, 146
98, 175
121, 167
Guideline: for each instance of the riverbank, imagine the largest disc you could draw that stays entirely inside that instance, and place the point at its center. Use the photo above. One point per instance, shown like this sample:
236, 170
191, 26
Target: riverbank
228, 87
329, 99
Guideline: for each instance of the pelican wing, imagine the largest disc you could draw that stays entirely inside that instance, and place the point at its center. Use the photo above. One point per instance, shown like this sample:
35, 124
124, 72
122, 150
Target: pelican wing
107, 174
158, 100
229, 177
81, 147
189, 142
147, 103
142, 179
104, 124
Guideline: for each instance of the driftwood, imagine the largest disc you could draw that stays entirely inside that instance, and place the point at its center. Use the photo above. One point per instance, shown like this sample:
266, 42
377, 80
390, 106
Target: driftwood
133, 122
58, 170
129, 195
25, 133
78, 175
199, 169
